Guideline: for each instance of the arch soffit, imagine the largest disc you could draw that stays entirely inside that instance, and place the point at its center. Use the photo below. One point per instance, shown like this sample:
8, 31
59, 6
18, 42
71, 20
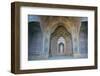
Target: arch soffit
58, 24
60, 31
49, 24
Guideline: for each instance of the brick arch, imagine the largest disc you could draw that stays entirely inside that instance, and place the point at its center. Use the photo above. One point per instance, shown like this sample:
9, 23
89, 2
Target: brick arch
60, 31
58, 24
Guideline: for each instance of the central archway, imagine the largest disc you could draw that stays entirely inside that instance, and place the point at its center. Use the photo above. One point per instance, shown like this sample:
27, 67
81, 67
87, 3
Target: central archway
60, 42
61, 45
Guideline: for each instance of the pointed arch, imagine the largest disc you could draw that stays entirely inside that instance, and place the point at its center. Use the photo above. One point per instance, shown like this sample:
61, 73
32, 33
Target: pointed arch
35, 40
60, 31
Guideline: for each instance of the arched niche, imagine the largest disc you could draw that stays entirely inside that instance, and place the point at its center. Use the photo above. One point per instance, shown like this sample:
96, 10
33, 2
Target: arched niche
35, 41
60, 32
83, 39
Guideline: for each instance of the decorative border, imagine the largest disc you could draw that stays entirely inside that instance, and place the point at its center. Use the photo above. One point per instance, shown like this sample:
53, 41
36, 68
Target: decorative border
15, 36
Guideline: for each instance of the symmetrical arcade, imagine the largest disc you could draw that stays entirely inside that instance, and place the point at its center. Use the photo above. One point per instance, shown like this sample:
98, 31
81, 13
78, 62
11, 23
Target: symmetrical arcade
55, 36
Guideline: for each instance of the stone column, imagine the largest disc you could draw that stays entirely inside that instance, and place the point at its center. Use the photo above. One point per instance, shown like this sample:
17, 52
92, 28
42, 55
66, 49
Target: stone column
75, 29
75, 40
46, 44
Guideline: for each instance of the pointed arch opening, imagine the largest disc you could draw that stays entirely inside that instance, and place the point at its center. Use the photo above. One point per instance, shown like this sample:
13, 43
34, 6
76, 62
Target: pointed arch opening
60, 42
83, 39
35, 40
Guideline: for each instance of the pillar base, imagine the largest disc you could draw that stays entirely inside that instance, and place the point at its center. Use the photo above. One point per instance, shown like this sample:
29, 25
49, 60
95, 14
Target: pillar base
76, 55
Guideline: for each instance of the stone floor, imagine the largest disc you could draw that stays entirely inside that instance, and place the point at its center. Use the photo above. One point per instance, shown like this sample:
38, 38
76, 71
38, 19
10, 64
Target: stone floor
82, 56
66, 57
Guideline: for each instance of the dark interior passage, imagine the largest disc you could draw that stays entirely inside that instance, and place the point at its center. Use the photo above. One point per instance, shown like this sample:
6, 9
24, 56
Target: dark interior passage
35, 42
